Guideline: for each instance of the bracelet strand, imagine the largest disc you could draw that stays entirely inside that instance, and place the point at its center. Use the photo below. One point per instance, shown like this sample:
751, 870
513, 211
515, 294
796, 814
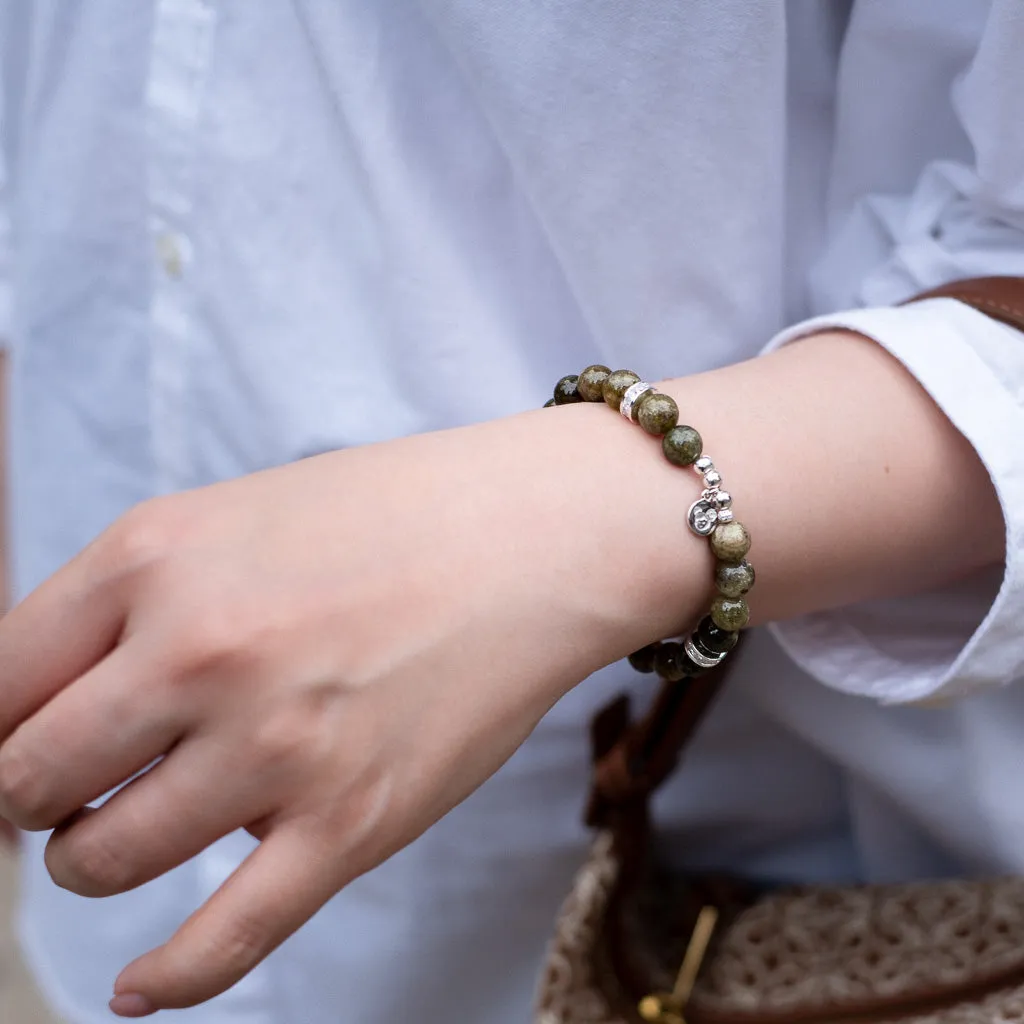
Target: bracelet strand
710, 516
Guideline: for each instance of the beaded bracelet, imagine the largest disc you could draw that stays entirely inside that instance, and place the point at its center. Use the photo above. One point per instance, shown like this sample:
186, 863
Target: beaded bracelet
709, 516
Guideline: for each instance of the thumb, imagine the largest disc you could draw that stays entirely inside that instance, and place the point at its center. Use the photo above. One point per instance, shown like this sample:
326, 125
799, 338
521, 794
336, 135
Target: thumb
274, 891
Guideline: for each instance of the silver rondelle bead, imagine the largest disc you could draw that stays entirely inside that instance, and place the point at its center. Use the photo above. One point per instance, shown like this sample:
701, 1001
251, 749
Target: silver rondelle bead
698, 657
632, 396
712, 478
725, 515
703, 464
723, 499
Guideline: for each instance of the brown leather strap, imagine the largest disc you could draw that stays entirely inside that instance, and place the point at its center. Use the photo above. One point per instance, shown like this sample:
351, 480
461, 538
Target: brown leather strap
633, 760
1001, 298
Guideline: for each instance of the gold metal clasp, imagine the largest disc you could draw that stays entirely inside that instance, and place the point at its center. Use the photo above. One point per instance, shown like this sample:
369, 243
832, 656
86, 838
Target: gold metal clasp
668, 1007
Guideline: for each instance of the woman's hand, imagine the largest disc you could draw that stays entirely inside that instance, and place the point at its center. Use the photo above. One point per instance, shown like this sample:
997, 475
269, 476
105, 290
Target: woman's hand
331, 655
334, 653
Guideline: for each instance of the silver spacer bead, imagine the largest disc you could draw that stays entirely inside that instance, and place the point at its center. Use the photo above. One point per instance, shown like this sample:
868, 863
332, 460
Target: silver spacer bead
723, 499
712, 478
726, 515
703, 464
632, 396
699, 657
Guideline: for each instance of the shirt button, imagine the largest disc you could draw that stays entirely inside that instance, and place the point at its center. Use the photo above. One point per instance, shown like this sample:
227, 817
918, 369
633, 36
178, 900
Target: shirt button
169, 249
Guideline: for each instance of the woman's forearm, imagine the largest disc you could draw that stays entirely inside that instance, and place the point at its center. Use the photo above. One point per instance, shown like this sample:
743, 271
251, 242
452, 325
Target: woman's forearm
851, 481
335, 652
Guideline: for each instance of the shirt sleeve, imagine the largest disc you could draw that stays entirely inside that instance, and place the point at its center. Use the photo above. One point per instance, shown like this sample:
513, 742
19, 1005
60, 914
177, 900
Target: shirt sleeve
5, 219
959, 221
6, 298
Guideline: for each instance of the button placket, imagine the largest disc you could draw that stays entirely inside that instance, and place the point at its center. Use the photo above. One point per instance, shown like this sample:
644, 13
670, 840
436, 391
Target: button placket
181, 46
179, 63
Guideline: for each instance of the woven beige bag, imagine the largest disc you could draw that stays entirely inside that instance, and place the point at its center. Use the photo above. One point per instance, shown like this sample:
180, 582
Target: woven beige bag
932, 953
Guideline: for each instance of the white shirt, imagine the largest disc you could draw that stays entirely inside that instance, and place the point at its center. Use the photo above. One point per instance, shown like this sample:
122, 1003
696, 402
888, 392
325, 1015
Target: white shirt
241, 233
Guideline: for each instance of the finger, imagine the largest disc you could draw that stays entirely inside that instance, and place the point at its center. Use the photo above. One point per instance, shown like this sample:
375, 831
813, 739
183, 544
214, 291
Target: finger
200, 792
89, 738
53, 636
272, 893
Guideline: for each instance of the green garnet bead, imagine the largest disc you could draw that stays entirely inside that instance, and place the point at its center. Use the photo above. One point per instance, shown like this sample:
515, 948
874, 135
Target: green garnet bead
550, 402
643, 660
591, 383
668, 662
730, 542
657, 413
682, 446
730, 613
734, 580
566, 392
713, 638
615, 386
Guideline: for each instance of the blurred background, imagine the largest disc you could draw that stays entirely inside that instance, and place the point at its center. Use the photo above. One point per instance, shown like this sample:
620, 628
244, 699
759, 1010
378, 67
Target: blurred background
19, 1003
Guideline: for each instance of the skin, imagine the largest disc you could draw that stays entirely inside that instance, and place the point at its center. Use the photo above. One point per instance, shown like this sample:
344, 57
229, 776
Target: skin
8, 833
334, 653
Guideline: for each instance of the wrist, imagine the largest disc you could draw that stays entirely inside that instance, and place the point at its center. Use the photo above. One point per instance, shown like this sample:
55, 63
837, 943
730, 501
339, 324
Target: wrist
643, 575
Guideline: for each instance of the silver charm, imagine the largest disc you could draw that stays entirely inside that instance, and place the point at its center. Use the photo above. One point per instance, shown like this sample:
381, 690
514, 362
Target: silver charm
632, 396
698, 657
703, 517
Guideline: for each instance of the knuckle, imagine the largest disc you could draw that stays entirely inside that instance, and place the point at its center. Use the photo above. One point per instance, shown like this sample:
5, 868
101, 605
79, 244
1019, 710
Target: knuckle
22, 791
243, 941
90, 865
143, 537
303, 731
229, 632
280, 739
214, 641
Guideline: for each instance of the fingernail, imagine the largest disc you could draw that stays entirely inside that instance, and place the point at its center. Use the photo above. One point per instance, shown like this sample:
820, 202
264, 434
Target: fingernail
131, 1004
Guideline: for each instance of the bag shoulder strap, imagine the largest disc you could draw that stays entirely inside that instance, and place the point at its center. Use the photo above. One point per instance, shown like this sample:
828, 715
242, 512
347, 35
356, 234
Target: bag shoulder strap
633, 760
1001, 298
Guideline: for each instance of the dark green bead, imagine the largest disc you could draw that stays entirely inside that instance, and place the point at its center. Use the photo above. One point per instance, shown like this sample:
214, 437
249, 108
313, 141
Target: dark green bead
730, 542
566, 392
706, 651
682, 446
643, 660
667, 662
715, 639
550, 402
591, 383
734, 580
657, 413
730, 613
687, 666
616, 384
